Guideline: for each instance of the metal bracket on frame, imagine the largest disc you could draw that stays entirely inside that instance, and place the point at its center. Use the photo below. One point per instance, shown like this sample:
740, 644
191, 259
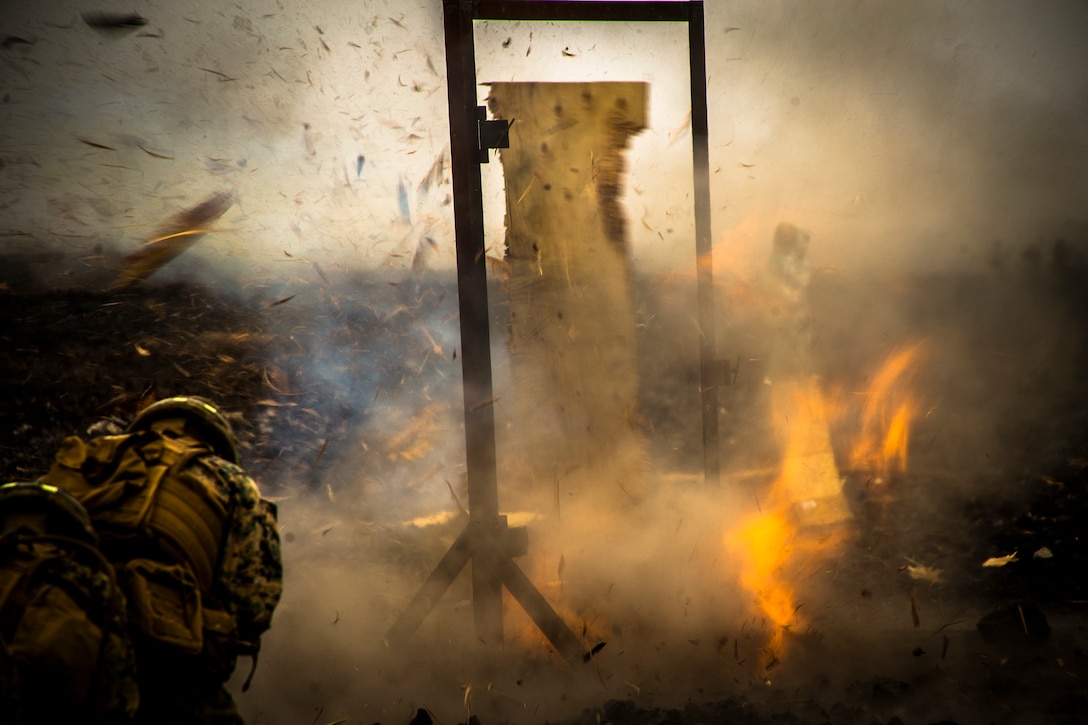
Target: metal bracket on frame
490, 134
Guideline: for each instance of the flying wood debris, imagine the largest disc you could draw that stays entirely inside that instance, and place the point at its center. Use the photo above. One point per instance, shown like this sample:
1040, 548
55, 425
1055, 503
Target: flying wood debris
11, 40
176, 236
156, 154
322, 451
223, 77
1000, 560
921, 572
104, 20
95, 144
596, 648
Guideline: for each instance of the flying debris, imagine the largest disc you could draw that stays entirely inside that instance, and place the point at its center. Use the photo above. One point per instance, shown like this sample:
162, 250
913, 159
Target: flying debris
104, 20
921, 572
12, 40
173, 238
1000, 560
95, 144
434, 174
285, 300
402, 199
679, 130
222, 76
308, 139
596, 648
156, 154
420, 256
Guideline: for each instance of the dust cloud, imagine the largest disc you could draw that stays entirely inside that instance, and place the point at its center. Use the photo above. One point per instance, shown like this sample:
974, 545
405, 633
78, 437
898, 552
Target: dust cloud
908, 137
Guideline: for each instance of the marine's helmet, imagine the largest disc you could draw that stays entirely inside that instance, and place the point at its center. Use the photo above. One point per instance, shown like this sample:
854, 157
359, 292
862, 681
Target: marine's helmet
202, 417
64, 516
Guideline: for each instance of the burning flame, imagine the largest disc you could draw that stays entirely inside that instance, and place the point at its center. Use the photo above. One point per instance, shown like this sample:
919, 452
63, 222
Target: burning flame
764, 542
779, 545
801, 517
886, 416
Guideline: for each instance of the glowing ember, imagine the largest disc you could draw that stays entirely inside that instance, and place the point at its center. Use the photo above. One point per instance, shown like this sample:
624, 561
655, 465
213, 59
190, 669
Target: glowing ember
889, 409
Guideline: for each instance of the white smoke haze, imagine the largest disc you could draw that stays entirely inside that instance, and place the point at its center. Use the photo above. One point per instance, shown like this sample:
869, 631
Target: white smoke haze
915, 140
906, 136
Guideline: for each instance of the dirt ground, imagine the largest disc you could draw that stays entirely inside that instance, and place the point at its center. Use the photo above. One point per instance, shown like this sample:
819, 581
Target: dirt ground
914, 629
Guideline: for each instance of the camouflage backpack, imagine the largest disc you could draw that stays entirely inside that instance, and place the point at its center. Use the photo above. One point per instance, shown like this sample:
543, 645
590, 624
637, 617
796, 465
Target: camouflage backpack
168, 509
64, 648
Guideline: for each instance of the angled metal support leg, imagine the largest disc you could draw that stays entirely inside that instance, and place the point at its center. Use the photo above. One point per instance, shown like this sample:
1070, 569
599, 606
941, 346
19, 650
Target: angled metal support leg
432, 590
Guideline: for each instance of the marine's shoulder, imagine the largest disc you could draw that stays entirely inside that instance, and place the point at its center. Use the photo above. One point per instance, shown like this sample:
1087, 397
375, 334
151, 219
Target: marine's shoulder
231, 477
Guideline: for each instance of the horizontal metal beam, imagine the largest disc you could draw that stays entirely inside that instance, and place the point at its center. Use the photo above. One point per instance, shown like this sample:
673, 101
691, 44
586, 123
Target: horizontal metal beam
620, 10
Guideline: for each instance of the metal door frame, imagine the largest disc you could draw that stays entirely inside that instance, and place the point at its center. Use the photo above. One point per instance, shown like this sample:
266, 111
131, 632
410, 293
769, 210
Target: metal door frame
487, 542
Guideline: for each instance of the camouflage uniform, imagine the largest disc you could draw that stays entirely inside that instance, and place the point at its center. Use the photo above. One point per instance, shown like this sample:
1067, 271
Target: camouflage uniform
175, 686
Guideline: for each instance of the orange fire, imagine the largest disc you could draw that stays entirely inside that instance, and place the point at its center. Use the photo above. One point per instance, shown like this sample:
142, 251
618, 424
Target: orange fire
886, 416
803, 515
764, 541
781, 543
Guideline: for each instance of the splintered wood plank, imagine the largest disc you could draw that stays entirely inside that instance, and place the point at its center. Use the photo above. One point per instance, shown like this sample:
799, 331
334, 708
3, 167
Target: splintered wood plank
574, 365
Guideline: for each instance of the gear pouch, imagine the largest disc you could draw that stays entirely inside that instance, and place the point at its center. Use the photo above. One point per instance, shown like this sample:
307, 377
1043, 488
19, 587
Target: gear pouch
164, 602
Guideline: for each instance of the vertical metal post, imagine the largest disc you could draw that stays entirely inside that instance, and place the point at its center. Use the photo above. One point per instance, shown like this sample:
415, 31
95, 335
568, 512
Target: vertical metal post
487, 542
474, 317
704, 246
